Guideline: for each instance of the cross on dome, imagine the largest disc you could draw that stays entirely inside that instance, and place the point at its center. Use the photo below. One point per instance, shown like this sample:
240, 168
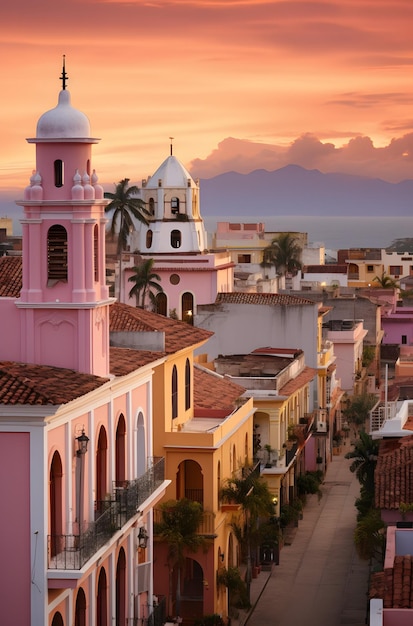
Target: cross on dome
64, 77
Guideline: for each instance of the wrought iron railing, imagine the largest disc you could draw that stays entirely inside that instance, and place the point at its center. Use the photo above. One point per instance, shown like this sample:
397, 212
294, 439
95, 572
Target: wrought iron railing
74, 550
158, 615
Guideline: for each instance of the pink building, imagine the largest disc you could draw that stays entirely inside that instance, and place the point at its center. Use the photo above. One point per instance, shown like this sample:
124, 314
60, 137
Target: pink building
78, 475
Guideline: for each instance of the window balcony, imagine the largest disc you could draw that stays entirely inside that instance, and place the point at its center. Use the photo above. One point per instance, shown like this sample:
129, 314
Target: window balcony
71, 552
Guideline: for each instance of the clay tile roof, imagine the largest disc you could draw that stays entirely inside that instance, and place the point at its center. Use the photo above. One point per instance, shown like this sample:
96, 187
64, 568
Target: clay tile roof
10, 276
307, 375
125, 360
269, 299
395, 585
178, 335
22, 383
394, 473
214, 392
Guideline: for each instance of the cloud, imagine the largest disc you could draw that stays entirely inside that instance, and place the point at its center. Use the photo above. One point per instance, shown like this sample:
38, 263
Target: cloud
359, 156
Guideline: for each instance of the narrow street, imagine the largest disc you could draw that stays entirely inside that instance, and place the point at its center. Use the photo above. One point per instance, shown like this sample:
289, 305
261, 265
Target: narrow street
320, 580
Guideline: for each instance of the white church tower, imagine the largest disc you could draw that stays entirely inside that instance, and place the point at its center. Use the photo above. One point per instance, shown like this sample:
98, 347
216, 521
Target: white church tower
175, 238
175, 222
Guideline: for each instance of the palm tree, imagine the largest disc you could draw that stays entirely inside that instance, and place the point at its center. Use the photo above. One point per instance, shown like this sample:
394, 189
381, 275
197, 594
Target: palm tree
385, 281
178, 527
284, 254
144, 283
364, 455
126, 205
252, 493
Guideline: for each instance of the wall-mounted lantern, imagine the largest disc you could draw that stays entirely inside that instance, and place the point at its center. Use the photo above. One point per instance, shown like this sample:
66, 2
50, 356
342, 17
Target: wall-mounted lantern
82, 442
142, 537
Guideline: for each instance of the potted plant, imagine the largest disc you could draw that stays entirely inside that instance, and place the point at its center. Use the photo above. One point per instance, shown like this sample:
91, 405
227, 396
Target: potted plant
269, 450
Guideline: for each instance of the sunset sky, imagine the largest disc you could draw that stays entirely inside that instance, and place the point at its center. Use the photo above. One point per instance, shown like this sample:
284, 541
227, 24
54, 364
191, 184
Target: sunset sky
239, 84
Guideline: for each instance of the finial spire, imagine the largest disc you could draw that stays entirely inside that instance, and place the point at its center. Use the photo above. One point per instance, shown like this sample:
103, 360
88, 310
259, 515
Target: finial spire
64, 77
171, 138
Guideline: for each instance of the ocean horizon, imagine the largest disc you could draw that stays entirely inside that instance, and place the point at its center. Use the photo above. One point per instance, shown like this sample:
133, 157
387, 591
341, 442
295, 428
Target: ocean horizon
335, 232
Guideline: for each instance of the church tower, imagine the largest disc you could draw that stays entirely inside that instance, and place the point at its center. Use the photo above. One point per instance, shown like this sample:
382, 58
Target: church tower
175, 222
64, 301
176, 240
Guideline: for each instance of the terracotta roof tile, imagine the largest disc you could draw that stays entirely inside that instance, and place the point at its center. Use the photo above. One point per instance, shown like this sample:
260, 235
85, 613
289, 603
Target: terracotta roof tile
178, 335
395, 585
125, 360
269, 299
293, 385
394, 473
212, 392
22, 383
10, 276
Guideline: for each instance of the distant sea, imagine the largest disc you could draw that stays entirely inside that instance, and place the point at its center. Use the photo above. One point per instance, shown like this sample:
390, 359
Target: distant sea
334, 232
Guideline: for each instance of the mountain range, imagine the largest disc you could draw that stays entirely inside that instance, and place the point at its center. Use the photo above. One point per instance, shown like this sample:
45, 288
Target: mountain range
293, 190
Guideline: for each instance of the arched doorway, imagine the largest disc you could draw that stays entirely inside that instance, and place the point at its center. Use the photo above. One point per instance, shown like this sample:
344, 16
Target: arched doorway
102, 600
101, 470
190, 481
192, 591
80, 609
121, 589
120, 461
56, 506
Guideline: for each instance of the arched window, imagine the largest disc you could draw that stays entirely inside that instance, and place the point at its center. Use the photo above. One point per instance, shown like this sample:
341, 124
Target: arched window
57, 619
120, 452
174, 392
187, 385
96, 252
151, 206
80, 610
58, 173
102, 600
57, 253
56, 504
174, 205
140, 445
101, 469
161, 302
149, 236
176, 238
121, 589
188, 308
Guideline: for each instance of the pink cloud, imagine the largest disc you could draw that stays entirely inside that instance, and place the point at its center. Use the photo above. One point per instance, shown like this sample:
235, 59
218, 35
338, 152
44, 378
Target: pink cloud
359, 156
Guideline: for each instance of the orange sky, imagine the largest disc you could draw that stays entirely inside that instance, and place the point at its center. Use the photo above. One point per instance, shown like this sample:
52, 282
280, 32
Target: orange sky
239, 84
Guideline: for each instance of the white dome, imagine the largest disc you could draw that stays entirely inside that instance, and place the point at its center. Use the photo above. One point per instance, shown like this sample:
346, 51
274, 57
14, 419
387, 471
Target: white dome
63, 121
172, 173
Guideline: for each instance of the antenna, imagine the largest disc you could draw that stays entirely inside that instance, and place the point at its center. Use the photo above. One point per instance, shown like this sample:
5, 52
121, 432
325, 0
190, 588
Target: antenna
64, 77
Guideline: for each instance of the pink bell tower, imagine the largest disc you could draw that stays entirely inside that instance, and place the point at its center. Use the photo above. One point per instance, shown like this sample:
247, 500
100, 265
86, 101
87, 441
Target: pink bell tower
64, 301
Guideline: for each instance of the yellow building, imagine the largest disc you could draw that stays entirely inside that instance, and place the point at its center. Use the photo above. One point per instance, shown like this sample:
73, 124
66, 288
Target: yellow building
203, 428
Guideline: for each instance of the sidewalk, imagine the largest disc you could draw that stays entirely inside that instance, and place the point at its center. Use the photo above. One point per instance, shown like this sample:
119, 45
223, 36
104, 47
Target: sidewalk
320, 580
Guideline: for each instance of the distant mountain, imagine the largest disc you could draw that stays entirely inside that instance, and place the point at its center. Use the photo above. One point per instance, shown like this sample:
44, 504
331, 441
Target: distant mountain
293, 190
